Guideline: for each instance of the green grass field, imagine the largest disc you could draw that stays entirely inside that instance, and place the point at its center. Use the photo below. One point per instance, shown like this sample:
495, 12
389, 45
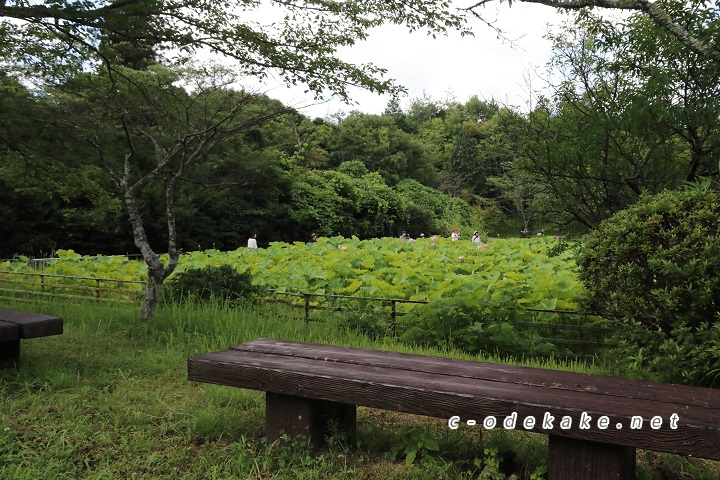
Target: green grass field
110, 399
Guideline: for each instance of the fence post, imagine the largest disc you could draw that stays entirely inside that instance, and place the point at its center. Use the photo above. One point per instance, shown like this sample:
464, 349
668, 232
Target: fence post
393, 315
97, 289
42, 283
307, 307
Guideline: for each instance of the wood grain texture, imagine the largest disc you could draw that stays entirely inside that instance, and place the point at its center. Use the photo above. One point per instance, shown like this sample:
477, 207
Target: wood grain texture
441, 387
554, 379
575, 459
314, 419
32, 325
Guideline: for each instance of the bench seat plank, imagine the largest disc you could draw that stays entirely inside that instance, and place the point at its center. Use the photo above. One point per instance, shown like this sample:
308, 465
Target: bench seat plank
549, 379
442, 388
32, 325
239, 368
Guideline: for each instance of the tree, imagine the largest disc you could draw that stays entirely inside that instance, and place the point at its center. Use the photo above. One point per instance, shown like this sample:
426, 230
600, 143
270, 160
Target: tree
320, 202
156, 125
422, 110
297, 39
663, 13
599, 145
383, 147
148, 132
349, 201
464, 169
653, 268
681, 89
432, 212
45, 199
521, 196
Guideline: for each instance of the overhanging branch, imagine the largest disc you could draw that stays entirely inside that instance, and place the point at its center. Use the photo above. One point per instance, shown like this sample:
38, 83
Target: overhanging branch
655, 12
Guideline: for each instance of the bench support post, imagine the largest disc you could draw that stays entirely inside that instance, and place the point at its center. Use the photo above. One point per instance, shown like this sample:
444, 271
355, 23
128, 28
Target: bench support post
292, 415
10, 353
573, 458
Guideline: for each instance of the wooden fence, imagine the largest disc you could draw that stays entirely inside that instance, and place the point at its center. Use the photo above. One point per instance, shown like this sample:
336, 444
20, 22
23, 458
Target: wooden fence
21, 284
312, 301
577, 338
586, 339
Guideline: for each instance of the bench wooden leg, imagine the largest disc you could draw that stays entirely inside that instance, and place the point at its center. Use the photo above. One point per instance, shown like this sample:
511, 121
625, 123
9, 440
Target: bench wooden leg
10, 353
311, 418
585, 460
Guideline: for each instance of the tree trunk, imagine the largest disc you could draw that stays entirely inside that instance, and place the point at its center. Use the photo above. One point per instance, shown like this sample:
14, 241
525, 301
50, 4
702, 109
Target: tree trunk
150, 301
157, 272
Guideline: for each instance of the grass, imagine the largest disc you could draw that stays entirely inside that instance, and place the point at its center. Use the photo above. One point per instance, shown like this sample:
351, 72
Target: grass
110, 399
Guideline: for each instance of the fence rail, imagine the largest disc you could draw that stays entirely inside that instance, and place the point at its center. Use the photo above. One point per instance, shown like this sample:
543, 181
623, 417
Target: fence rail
308, 306
590, 337
58, 286
38, 263
583, 337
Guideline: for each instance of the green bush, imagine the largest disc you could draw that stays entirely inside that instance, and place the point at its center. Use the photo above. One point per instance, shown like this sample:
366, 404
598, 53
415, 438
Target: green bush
655, 267
222, 282
459, 322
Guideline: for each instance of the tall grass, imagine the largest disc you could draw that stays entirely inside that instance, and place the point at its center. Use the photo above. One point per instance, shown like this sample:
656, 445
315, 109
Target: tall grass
109, 398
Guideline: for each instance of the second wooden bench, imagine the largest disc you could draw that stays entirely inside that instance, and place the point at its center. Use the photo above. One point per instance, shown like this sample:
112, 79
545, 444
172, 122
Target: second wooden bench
18, 324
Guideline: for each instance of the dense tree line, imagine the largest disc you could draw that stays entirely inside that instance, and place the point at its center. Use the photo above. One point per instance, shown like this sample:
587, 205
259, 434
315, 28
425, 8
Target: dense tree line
619, 123
110, 144
282, 178
120, 91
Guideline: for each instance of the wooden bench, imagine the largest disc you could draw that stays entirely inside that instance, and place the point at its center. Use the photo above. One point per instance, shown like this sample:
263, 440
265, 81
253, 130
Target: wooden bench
310, 385
17, 324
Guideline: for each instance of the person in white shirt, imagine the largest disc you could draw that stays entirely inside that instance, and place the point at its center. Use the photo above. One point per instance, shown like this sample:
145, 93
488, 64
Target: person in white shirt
252, 241
476, 237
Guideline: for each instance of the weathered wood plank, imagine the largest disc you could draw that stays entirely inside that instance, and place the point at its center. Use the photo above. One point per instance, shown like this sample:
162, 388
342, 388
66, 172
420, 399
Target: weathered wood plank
314, 419
562, 401
443, 394
550, 379
577, 459
467, 385
32, 325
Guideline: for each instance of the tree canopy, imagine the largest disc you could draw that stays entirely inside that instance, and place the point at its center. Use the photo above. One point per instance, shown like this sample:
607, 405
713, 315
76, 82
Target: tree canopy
297, 39
118, 141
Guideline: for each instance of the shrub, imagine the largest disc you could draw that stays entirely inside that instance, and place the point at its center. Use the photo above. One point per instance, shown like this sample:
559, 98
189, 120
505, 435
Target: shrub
460, 322
222, 282
655, 267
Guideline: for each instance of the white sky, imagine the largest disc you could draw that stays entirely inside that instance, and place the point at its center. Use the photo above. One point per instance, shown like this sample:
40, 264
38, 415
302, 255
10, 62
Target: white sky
451, 67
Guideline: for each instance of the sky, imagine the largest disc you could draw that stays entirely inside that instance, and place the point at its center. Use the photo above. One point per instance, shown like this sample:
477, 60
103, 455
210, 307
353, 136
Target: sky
452, 67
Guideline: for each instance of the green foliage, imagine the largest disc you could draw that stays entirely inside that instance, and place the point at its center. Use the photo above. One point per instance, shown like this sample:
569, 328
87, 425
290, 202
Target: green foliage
561, 246
379, 144
348, 204
476, 295
413, 443
625, 129
353, 168
654, 267
433, 212
36, 35
216, 282
490, 465
469, 324
364, 321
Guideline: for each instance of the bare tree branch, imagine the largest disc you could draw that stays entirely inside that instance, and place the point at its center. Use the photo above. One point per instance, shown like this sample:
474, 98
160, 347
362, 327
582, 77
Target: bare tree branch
653, 10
